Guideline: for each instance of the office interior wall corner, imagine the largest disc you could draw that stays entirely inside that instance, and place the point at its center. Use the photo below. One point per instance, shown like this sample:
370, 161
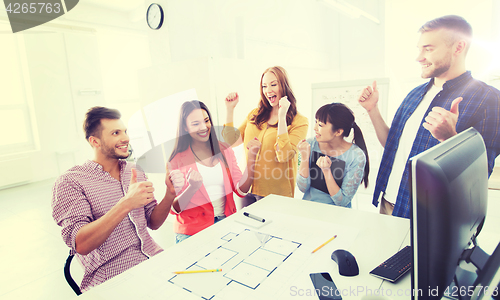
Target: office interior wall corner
23, 172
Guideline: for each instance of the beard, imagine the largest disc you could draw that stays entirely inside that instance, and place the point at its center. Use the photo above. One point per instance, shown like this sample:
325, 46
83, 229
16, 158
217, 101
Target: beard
440, 67
110, 152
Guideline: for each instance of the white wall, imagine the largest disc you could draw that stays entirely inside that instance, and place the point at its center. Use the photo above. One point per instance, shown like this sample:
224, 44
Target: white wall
91, 56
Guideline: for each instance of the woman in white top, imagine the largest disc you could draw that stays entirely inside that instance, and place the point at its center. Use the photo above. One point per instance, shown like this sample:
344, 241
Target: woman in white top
208, 170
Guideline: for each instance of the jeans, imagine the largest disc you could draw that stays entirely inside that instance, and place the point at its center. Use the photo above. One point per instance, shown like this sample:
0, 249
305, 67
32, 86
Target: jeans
179, 237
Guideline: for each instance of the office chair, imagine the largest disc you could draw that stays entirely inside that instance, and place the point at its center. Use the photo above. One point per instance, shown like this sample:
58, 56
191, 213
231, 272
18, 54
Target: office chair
67, 275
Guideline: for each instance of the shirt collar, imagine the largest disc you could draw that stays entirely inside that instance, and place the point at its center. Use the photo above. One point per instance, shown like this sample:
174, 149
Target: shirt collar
460, 80
92, 165
451, 84
96, 166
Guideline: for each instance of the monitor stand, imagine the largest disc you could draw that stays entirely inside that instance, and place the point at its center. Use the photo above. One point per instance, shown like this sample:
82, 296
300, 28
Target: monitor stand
471, 264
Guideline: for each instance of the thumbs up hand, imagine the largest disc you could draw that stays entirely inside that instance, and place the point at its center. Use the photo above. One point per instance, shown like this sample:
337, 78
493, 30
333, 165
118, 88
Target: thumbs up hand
139, 193
369, 97
133, 178
442, 123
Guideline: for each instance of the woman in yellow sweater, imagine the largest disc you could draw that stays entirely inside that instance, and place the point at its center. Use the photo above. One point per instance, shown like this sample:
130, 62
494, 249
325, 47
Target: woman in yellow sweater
279, 128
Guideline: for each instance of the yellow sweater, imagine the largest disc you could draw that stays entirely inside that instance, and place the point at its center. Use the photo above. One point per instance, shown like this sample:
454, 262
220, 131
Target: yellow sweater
275, 171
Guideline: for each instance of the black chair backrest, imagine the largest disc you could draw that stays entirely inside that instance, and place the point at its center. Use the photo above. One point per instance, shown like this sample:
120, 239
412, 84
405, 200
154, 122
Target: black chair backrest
67, 275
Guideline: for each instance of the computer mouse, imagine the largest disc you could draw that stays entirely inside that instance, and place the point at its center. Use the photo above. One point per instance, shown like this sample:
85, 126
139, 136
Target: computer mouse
346, 261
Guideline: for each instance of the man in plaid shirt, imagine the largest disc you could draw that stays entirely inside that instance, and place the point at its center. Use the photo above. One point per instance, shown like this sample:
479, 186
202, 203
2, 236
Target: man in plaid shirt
105, 205
450, 102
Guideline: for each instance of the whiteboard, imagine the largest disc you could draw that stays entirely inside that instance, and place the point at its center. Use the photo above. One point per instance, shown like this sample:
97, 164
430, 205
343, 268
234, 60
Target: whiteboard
348, 92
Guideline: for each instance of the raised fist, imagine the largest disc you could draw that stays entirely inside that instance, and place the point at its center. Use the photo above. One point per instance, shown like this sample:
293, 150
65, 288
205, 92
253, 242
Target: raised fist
231, 100
284, 104
304, 149
194, 179
253, 147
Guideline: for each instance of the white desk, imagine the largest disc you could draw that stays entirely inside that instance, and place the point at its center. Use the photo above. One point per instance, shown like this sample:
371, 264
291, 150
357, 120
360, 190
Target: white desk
371, 238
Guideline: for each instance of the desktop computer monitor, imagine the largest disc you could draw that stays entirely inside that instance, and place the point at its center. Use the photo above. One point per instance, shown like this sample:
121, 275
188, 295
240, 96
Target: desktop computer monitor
449, 198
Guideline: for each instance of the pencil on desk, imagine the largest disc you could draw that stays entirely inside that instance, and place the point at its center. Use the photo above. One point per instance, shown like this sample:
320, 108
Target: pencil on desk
325, 243
198, 271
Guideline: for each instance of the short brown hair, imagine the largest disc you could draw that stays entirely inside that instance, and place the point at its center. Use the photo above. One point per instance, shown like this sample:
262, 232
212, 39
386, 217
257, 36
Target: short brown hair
458, 25
92, 123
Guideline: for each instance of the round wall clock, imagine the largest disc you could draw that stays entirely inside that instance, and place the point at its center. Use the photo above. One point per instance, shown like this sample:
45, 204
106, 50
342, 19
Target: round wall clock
154, 16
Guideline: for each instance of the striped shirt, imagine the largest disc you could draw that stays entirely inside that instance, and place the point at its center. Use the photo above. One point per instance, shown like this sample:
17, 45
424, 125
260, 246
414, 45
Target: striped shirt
85, 193
480, 108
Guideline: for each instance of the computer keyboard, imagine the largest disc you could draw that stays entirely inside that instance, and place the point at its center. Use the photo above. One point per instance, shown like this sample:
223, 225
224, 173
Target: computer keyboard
394, 267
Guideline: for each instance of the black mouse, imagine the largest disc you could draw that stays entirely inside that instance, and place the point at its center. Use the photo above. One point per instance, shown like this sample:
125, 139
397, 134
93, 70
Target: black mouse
346, 261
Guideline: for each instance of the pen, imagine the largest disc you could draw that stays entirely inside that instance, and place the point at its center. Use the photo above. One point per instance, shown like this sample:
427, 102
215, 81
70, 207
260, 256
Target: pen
198, 271
254, 217
325, 243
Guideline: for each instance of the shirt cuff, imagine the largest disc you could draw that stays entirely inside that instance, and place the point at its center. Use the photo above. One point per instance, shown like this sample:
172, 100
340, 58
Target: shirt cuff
239, 192
301, 178
282, 139
72, 233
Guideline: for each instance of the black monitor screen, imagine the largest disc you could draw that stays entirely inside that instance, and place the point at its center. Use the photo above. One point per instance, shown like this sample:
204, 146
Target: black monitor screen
449, 197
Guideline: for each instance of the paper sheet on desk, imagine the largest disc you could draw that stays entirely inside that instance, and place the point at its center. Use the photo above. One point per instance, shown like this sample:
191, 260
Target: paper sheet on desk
247, 258
311, 233
259, 263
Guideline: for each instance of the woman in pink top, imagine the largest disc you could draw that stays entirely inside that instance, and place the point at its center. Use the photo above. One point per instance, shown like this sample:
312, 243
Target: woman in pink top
207, 170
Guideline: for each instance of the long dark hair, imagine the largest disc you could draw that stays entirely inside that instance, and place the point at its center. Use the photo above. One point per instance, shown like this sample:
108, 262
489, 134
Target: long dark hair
341, 117
184, 140
264, 112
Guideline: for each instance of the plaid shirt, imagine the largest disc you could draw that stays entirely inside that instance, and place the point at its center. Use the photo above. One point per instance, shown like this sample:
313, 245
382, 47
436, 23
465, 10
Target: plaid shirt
84, 194
480, 108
